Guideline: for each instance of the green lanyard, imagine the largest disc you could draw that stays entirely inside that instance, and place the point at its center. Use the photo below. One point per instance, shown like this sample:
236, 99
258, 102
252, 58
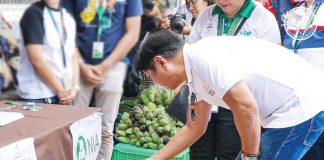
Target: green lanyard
296, 44
104, 20
62, 40
233, 28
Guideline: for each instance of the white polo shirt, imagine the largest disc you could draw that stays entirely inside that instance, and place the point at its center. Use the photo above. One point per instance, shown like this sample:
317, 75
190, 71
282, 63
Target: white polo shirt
260, 24
287, 89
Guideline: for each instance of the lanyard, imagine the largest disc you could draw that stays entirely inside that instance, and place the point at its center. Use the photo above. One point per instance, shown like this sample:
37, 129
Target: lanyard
62, 40
295, 42
234, 28
104, 21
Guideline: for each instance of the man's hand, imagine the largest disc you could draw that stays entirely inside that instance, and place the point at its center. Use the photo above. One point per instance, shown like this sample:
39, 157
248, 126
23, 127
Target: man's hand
91, 74
188, 134
62, 96
103, 68
165, 23
66, 97
186, 29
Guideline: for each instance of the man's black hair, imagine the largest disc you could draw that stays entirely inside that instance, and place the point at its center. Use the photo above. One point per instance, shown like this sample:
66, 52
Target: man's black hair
158, 41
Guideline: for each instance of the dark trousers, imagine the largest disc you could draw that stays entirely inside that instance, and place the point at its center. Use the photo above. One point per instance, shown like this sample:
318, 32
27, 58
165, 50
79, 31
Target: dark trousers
316, 152
221, 139
51, 100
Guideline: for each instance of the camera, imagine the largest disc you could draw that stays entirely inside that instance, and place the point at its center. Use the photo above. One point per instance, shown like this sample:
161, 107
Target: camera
148, 5
177, 22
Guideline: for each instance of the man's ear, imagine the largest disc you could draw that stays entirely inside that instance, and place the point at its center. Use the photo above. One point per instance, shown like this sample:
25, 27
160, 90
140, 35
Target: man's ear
160, 61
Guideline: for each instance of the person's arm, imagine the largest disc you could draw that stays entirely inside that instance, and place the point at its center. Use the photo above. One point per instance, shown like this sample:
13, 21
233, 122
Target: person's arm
188, 134
246, 115
76, 68
186, 29
34, 52
75, 79
132, 31
165, 23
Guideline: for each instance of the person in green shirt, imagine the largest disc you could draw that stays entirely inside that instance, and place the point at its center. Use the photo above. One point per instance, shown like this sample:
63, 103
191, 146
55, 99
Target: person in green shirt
236, 18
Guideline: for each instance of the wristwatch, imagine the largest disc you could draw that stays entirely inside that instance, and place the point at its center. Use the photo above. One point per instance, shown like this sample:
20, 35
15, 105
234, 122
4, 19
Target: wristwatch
245, 156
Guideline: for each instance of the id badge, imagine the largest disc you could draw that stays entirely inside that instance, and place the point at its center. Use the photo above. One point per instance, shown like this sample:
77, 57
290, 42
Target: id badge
67, 81
97, 50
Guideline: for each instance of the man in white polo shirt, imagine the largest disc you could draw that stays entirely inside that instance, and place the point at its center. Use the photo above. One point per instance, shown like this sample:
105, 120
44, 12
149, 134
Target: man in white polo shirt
265, 85
231, 18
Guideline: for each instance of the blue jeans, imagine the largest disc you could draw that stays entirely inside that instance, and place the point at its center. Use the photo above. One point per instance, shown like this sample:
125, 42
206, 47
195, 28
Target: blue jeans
51, 100
221, 139
294, 142
317, 150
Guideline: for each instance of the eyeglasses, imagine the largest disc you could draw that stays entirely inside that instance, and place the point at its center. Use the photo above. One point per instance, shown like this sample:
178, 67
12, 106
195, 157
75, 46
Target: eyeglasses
191, 3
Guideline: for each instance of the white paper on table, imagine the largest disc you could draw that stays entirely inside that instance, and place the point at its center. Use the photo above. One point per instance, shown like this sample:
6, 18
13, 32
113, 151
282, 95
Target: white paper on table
86, 136
21, 150
7, 117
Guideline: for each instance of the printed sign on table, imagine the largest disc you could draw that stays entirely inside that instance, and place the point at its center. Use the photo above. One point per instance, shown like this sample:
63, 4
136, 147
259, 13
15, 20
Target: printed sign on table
86, 135
21, 150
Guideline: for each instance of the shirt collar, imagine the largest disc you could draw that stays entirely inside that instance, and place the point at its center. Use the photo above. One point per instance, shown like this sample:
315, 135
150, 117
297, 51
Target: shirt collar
245, 11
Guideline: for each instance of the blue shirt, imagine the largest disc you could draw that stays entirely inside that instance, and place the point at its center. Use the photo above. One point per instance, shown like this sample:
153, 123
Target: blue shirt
87, 27
281, 7
314, 41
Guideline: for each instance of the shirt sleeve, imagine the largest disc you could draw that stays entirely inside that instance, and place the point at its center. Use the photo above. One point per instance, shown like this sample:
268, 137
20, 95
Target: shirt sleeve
31, 25
134, 8
219, 72
268, 28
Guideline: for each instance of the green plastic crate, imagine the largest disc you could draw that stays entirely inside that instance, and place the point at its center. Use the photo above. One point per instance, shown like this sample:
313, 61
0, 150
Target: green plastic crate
124, 151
